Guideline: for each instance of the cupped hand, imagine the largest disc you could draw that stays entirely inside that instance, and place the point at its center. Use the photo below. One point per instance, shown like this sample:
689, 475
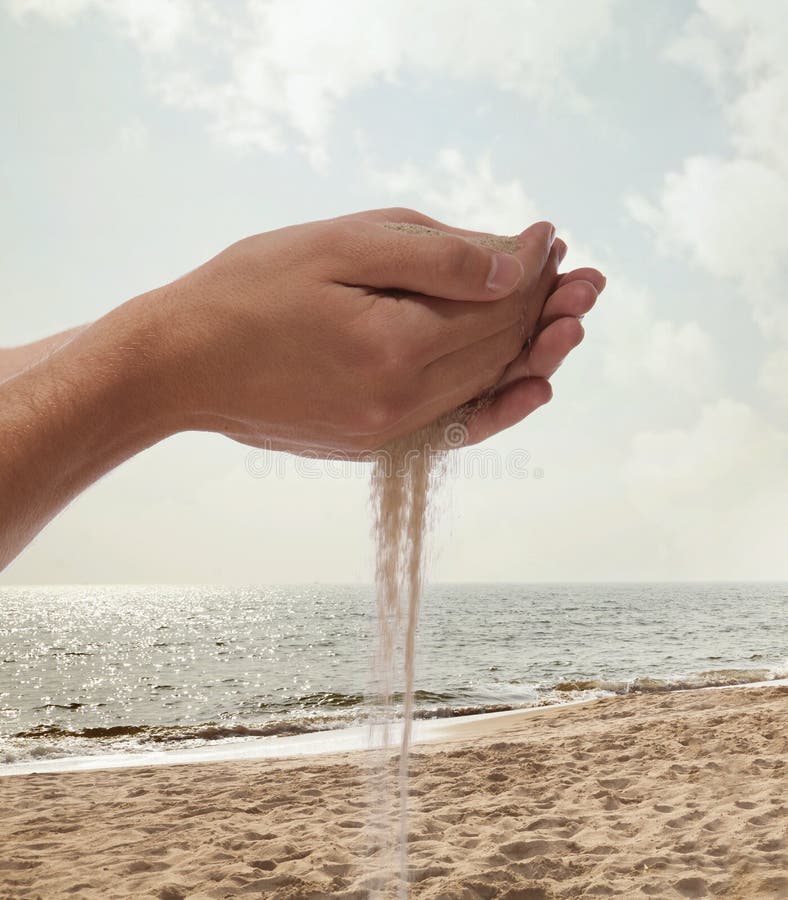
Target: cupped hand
341, 335
553, 334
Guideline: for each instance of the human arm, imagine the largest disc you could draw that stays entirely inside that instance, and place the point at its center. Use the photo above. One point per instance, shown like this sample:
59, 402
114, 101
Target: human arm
15, 359
289, 340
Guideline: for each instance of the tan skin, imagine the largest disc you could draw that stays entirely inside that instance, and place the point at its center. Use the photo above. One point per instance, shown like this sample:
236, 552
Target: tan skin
330, 336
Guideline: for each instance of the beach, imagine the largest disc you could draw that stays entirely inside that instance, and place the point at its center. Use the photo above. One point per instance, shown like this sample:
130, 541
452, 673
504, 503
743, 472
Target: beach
679, 794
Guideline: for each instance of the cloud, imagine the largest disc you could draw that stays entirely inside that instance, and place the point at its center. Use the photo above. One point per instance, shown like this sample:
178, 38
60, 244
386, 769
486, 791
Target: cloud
730, 215
271, 73
739, 49
134, 136
719, 490
773, 376
460, 192
635, 343
153, 25
638, 346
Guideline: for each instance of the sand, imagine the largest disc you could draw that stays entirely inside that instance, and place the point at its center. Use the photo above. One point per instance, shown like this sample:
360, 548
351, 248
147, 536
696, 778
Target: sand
660, 795
506, 243
405, 476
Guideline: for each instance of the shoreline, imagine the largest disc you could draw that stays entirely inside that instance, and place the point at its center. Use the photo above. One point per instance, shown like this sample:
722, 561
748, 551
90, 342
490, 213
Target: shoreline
330, 743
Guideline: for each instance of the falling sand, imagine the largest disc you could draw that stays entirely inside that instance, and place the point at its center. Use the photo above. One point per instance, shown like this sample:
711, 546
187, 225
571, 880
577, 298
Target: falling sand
406, 476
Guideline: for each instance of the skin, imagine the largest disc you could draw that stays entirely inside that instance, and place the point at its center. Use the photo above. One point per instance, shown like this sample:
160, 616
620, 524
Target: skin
331, 336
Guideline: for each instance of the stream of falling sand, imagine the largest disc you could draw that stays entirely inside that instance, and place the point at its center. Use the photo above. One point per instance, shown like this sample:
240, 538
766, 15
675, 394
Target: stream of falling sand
406, 477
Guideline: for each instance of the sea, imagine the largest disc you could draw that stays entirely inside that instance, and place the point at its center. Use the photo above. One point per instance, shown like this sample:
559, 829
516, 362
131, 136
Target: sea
90, 672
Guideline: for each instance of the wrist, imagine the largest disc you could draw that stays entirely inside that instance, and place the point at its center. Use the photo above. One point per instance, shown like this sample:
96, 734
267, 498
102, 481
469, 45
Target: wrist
163, 378
109, 385
70, 419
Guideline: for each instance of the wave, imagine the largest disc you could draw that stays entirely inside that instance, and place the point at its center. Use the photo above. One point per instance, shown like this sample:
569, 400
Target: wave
327, 710
648, 684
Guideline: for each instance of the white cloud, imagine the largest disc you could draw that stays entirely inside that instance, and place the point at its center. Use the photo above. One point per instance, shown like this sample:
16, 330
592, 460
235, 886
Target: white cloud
739, 49
730, 215
462, 193
134, 136
55, 10
635, 343
719, 490
272, 65
154, 25
638, 345
773, 376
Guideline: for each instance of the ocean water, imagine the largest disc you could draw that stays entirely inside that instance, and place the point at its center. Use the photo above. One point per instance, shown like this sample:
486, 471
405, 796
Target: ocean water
98, 669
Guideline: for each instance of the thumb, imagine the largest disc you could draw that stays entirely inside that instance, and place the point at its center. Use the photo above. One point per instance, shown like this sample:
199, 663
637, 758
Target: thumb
406, 256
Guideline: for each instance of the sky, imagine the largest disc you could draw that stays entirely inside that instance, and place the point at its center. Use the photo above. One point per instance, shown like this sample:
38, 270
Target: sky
141, 137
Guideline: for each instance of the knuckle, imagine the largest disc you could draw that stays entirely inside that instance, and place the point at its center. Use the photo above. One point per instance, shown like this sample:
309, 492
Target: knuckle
457, 260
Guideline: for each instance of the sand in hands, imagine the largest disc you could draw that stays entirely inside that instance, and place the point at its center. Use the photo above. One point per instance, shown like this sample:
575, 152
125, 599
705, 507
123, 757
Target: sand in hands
406, 477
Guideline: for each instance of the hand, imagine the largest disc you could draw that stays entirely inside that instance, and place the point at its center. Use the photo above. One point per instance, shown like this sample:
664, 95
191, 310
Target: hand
341, 335
524, 386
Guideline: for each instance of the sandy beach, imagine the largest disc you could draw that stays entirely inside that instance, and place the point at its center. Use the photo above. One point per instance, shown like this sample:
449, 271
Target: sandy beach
663, 795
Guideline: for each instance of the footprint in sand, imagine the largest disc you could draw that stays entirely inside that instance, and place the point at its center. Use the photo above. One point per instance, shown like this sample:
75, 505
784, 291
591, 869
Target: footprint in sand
692, 887
615, 783
518, 850
267, 865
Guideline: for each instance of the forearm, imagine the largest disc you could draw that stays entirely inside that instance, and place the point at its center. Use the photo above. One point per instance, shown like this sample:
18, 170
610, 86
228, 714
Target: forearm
14, 360
73, 417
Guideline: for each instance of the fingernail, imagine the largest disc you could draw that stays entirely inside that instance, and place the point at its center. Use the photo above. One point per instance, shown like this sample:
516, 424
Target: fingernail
506, 272
562, 248
551, 237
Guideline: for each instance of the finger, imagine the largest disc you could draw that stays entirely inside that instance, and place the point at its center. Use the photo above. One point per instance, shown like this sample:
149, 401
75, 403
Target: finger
439, 328
464, 374
534, 303
548, 350
575, 298
585, 274
403, 214
438, 264
507, 408
456, 378
453, 381
414, 217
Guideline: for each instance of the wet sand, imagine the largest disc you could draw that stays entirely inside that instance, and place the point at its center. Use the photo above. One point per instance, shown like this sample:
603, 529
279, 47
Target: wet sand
664, 795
